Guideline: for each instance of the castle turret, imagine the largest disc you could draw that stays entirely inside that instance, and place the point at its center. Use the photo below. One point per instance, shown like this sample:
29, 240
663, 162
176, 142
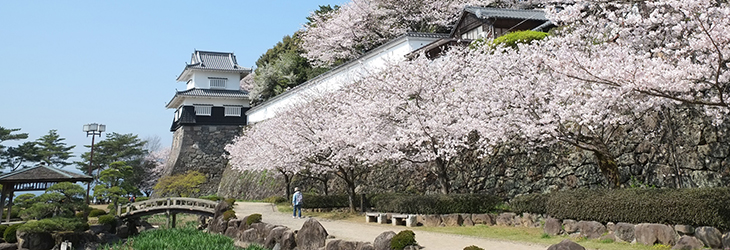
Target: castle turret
213, 95
209, 113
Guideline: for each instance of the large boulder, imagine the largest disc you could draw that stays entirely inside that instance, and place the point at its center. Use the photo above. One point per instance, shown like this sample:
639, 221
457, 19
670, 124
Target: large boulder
529, 220
566, 244
570, 226
249, 235
35, 241
684, 229
76, 238
432, 220
710, 236
648, 234
726, 240
624, 231
552, 226
365, 246
274, 236
452, 220
591, 229
312, 236
468, 222
8, 246
687, 242
288, 240
506, 219
485, 219
108, 238
382, 242
343, 245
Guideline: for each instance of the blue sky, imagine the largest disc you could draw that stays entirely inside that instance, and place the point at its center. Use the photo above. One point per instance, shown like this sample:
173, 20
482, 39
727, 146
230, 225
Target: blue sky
67, 63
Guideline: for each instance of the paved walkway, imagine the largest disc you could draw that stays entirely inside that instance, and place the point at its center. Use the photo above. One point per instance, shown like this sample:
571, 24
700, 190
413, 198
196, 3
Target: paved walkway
354, 231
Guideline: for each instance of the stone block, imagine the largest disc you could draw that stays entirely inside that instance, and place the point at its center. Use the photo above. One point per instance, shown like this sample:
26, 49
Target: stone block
687, 242
552, 227
710, 236
591, 229
624, 232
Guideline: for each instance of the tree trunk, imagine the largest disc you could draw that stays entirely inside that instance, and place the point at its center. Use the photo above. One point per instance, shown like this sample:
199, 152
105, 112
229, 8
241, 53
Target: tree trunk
288, 180
349, 178
442, 176
609, 168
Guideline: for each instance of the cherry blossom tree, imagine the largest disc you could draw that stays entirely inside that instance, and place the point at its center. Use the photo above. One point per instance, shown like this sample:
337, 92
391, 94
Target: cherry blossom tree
361, 25
266, 146
154, 166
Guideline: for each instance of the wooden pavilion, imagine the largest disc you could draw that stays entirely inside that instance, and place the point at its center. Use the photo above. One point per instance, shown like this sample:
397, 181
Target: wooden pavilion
36, 178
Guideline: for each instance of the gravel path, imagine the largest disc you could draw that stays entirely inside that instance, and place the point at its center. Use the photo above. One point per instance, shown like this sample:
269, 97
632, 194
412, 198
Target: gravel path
354, 231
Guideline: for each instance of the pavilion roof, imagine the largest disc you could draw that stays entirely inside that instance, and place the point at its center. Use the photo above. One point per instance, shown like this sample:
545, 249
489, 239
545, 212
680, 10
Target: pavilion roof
42, 173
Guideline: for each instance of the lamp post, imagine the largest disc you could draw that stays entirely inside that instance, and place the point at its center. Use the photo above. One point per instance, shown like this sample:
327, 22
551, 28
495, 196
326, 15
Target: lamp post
92, 129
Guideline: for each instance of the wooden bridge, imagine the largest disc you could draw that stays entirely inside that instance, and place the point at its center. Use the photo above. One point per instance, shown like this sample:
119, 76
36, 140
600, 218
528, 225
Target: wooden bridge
170, 206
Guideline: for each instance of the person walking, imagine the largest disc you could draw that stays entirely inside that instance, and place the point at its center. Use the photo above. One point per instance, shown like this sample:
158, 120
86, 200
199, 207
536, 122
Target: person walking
296, 202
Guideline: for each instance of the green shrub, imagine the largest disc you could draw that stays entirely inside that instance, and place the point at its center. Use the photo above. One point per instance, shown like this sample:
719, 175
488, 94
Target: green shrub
436, 204
54, 225
697, 206
531, 203
96, 212
472, 247
212, 197
228, 215
254, 218
328, 201
231, 201
275, 199
142, 199
403, 239
108, 220
3, 227
9, 234
510, 39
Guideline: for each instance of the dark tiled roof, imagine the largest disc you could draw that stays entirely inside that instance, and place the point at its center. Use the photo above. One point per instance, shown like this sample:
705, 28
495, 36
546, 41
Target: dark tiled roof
218, 93
42, 173
484, 13
216, 61
209, 93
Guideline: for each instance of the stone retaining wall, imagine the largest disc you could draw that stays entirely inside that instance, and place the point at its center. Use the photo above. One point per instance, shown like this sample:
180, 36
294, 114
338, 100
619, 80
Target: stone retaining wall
201, 148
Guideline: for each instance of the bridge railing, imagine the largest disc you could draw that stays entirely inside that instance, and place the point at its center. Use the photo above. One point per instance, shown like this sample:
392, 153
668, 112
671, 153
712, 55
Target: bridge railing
167, 203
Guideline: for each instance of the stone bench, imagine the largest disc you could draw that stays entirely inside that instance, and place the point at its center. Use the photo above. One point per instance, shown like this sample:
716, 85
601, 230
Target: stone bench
372, 217
408, 220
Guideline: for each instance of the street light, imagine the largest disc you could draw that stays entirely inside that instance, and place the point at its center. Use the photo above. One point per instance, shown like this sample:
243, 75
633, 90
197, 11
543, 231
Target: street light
92, 129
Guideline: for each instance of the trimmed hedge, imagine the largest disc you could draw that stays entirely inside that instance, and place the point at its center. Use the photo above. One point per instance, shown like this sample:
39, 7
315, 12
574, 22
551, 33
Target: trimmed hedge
436, 203
328, 201
531, 203
10, 233
403, 239
96, 213
229, 214
54, 225
253, 218
698, 206
108, 220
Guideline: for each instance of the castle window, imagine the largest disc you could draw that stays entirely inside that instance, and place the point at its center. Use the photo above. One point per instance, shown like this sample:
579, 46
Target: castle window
203, 109
177, 113
232, 111
216, 82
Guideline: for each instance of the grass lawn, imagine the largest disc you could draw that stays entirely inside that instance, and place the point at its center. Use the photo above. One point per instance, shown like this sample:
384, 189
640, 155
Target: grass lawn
516, 234
533, 235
